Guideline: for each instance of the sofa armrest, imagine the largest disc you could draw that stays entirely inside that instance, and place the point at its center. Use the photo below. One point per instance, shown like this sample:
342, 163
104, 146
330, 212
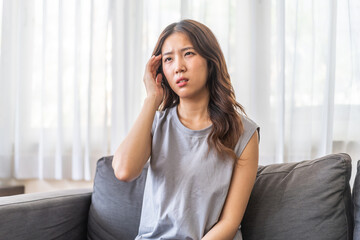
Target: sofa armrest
49, 215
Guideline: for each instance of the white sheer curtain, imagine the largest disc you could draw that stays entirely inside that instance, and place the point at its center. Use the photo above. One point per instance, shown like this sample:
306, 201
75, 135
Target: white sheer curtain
315, 81
71, 76
54, 88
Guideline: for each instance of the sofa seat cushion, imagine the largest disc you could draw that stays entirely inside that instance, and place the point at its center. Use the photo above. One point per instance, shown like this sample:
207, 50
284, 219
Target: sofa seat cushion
304, 200
115, 205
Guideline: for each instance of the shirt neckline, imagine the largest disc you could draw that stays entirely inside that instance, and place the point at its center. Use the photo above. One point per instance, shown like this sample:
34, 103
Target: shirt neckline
201, 132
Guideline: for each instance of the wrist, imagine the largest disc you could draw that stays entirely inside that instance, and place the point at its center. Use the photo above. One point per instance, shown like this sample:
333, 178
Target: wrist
152, 102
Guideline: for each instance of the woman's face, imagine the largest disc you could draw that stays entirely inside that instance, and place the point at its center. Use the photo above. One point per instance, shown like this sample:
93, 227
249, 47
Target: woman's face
185, 70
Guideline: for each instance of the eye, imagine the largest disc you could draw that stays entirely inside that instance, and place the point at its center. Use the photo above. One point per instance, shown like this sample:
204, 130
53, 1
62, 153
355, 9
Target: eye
167, 59
189, 53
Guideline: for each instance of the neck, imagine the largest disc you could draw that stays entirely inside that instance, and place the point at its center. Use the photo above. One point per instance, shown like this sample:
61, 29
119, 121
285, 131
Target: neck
194, 114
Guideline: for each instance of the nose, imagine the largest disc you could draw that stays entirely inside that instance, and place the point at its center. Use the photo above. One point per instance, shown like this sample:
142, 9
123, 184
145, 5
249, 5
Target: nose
180, 66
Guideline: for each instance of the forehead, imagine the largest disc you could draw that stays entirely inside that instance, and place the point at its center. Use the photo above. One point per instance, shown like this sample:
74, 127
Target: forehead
176, 41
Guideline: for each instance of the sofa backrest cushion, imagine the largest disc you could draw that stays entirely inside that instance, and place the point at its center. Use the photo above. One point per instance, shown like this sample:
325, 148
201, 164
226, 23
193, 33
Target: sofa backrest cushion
115, 205
304, 200
60, 215
356, 199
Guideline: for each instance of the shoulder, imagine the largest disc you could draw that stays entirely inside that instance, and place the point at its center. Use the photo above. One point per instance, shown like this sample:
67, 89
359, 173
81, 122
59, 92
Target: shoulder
248, 124
161, 117
249, 128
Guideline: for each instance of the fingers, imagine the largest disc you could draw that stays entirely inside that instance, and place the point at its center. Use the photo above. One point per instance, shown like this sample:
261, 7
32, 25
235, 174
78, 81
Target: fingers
158, 79
154, 63
156, 58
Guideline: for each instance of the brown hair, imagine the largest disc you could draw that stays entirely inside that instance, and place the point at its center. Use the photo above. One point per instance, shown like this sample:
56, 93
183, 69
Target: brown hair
223, 108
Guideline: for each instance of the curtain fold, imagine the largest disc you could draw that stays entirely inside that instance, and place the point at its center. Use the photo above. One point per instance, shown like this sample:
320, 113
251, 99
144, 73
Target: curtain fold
71, 76
127, 67
54, 91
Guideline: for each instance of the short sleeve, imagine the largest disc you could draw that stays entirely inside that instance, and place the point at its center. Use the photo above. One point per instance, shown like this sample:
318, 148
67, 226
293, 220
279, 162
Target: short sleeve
160, 116
155, 121
249, 129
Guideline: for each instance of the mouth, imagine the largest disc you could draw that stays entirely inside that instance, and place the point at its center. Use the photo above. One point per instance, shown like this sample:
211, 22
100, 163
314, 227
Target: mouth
181, 81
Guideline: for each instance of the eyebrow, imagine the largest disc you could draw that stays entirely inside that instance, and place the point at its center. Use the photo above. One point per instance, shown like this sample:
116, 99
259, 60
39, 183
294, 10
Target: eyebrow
182, 50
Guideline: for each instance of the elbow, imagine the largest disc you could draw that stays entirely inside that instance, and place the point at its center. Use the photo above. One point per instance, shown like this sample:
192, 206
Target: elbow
123, 176
121, 172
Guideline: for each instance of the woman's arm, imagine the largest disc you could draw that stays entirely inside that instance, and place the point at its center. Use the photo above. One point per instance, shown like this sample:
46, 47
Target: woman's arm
132, 154
242, 182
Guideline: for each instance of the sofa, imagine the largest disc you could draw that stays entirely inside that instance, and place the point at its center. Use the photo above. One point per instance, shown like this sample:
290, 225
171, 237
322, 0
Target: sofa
310, 200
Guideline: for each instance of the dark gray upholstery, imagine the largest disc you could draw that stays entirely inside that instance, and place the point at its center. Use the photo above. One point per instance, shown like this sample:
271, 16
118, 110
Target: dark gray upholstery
356, 199
305, 200
116, 206
308, 200
49, 215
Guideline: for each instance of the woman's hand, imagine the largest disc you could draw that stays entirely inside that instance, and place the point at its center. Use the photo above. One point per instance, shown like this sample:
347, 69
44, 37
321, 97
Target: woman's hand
152, 81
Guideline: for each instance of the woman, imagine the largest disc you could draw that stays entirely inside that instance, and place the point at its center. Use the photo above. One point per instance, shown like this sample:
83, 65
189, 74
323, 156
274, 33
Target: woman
203, 149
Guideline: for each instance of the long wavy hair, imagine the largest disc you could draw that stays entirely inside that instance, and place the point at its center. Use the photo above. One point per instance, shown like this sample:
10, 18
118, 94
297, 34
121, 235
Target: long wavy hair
224, 110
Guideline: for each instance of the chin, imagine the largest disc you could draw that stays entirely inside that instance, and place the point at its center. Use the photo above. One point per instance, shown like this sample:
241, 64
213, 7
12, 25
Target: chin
188, 96
184, 94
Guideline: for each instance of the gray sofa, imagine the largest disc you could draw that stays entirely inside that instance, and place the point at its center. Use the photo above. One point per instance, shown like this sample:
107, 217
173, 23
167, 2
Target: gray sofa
305, 200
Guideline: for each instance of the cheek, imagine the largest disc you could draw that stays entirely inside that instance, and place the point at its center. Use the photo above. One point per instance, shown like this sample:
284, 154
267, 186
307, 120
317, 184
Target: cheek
167, 74
203, 70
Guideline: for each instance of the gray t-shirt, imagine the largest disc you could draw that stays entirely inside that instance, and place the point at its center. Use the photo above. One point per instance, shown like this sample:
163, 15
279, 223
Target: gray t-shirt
186, 185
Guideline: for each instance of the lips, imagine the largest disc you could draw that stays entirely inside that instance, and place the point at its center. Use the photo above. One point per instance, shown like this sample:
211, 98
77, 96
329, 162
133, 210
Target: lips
181, 81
